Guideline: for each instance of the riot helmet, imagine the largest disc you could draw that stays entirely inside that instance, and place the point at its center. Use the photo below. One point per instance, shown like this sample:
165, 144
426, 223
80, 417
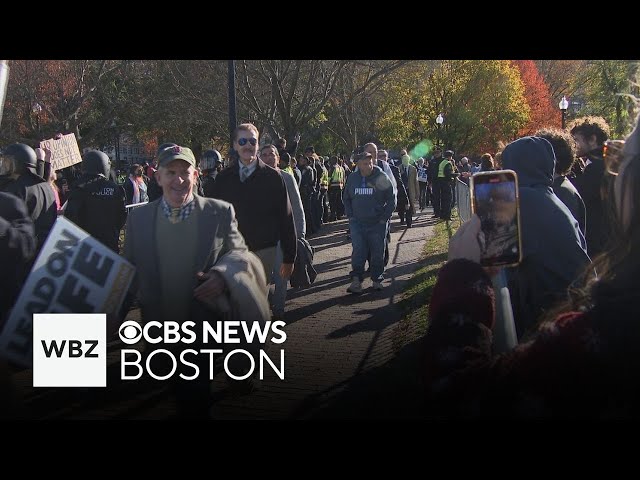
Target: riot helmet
210, 160
96, 162
22, 156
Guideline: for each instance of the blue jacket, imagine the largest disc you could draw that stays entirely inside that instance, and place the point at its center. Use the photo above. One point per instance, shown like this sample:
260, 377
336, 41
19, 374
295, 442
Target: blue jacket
369, 199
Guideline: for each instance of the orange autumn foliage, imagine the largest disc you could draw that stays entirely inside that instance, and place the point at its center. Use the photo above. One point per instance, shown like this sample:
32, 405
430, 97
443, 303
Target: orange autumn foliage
544, 112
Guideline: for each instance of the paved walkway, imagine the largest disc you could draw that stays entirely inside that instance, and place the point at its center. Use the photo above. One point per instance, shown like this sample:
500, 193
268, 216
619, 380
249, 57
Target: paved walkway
334, 339
340, 359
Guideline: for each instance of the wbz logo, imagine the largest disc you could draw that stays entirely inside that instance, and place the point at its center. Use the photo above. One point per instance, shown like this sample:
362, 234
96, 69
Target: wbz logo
69, 350
74, 350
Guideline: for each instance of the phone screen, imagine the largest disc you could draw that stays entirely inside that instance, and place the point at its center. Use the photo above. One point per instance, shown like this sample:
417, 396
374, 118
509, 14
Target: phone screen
494, 198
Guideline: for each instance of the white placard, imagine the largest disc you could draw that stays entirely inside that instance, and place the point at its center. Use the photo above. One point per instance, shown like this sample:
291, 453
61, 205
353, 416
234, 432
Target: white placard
74, 273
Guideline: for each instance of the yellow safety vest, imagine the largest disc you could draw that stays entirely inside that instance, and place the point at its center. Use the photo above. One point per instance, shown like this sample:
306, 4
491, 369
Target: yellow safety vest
324, 179
289, 170
441, 166
337, 177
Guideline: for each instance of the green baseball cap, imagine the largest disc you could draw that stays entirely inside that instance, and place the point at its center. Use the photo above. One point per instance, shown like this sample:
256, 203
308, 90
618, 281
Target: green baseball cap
176, 152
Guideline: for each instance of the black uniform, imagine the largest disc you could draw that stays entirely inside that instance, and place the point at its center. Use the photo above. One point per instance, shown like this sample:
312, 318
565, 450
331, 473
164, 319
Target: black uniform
97, 205
207, 182
40, 200
17, 249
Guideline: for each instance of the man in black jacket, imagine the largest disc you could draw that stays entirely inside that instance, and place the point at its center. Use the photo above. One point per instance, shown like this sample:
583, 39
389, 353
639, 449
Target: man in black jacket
590, 133
259, 196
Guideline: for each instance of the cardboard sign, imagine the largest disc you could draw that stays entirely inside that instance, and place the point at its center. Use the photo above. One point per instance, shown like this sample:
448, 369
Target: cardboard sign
73, 273
64, 151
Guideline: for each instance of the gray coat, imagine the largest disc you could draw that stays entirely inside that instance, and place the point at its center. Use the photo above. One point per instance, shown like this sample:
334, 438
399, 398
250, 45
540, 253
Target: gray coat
296, 204
218, 234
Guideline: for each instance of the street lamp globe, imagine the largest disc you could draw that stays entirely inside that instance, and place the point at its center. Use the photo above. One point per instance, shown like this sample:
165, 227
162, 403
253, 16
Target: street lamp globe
564, 104
439, 121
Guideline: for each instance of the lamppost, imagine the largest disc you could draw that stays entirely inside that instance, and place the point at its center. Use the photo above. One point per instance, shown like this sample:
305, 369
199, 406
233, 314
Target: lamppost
36, 108
116, 147
564, 104
439, 121
231, 70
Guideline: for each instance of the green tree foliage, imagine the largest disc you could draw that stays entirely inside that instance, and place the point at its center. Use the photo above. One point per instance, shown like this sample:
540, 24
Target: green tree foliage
606, 91
482, 102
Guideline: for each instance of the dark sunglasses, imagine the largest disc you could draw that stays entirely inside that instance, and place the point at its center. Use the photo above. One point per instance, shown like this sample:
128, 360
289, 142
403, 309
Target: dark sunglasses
612, 155
243, 141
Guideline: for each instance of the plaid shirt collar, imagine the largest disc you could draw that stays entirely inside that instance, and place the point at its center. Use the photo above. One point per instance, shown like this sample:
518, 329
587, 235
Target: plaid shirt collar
185, 210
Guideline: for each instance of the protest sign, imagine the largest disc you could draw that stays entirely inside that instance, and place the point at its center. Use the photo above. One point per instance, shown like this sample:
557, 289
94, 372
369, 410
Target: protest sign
73, 273
64, 151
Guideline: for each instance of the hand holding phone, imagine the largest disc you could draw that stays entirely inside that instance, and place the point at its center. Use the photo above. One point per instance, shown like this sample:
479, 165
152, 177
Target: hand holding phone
495, 199
464, 243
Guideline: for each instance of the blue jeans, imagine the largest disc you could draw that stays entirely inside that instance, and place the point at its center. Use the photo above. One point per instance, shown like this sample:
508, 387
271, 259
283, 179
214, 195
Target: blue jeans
365, 239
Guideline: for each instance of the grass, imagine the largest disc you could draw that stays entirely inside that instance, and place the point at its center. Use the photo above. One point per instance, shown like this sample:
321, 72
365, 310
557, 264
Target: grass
415, 301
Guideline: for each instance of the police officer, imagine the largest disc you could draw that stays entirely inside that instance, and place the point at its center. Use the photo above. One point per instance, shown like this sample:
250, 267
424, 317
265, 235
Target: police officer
442, 187
95, 203
210, 165
18, 176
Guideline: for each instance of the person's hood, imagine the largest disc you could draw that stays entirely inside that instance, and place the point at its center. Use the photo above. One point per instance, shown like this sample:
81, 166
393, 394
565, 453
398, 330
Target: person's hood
533, 159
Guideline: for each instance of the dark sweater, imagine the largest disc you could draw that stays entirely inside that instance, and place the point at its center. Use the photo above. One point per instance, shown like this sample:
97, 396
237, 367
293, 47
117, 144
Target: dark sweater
262, 208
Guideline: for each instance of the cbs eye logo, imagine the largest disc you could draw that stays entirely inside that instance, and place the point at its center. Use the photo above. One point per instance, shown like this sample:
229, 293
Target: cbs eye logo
130, 332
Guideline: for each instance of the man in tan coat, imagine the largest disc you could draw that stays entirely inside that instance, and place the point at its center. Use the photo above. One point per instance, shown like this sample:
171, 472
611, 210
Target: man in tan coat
409, 176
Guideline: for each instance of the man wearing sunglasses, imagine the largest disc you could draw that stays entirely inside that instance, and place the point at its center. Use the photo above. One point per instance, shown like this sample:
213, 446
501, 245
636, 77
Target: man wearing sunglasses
260, 198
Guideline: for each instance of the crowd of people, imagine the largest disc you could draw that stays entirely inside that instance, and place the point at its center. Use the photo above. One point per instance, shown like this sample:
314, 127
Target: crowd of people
574, 302
209, 237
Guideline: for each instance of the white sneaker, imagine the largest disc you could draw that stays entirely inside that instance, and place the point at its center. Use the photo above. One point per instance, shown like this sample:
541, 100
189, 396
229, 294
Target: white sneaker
356, 286
377, 285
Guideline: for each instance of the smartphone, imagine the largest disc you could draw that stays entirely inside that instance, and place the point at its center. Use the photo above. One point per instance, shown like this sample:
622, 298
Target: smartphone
495, 199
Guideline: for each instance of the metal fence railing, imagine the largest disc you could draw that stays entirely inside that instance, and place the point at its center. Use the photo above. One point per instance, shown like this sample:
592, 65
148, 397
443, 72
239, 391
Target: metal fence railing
131, 206
463, 201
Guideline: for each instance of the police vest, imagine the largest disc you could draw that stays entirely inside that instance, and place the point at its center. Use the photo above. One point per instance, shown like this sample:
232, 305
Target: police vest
441, 166
337, 177
324, 179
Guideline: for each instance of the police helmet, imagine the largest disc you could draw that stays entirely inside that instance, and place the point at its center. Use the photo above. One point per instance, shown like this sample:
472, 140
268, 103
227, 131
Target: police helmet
24, 157
210, 160
96, 162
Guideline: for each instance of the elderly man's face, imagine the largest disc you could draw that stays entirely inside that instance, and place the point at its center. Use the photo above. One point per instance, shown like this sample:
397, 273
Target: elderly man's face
246, 144
177, 180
